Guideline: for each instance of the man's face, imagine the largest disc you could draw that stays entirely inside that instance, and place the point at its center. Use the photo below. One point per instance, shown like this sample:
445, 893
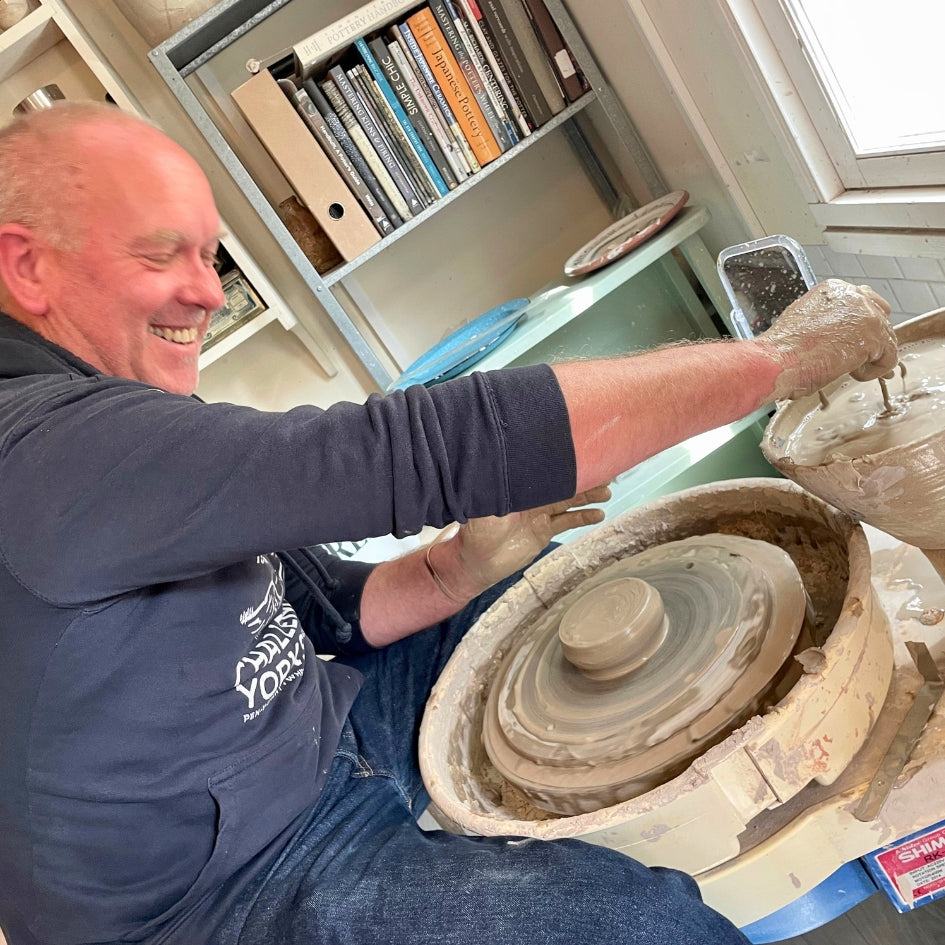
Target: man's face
135, 297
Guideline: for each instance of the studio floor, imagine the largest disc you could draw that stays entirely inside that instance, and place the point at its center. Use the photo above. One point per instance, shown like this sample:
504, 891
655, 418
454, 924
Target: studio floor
875, 921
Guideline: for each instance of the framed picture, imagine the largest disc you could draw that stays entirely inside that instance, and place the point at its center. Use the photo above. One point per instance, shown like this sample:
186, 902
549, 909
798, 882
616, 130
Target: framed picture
242, 304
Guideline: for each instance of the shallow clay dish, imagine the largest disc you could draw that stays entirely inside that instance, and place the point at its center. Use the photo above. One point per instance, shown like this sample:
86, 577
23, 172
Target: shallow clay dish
626, 234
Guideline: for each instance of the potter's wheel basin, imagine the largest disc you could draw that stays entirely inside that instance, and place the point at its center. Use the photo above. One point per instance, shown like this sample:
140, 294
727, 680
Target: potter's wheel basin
692, 821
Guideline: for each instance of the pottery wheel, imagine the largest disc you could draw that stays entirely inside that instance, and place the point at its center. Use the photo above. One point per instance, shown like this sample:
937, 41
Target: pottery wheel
628, 677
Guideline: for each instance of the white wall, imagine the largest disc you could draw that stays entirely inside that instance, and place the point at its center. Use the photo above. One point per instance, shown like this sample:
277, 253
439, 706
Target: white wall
683, 78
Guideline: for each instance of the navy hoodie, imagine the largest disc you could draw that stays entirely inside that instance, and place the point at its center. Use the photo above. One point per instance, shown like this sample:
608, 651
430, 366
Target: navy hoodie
164, 722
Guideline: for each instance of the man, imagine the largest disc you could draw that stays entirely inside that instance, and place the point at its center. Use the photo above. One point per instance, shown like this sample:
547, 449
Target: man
177, 766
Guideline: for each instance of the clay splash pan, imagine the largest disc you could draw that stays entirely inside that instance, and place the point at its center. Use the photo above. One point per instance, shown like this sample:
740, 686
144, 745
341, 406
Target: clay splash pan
820, 710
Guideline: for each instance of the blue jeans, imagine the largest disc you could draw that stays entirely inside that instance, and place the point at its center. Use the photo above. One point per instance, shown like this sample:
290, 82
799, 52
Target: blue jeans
361, 871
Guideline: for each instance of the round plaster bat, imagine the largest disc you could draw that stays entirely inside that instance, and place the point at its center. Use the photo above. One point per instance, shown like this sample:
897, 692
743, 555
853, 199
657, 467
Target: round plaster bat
638, 670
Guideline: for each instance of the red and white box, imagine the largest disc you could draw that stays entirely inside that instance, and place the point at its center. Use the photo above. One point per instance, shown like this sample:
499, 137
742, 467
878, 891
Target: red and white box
911, 871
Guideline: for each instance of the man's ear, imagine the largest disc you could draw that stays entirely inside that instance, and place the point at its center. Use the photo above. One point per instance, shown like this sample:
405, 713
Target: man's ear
21, 268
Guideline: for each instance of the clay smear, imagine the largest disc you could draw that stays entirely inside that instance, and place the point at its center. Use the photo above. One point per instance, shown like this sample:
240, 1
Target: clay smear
628, 677
858, 421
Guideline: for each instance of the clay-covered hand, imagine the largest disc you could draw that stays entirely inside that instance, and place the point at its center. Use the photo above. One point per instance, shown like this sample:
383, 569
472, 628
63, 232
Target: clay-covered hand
834, 329
492, 548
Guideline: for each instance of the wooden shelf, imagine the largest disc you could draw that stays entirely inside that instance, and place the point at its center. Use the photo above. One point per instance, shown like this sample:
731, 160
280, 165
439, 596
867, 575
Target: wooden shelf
27, 40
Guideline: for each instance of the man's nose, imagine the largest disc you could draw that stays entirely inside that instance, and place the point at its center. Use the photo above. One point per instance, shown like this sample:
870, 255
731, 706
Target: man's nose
202, 287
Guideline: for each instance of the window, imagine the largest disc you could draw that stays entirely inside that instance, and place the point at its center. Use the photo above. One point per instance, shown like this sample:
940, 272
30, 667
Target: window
859, 87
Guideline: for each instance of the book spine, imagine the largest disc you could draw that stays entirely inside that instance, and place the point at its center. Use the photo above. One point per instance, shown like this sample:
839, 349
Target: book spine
350, 147
393, 101
361, 139
510, 53
533, 53
410, 108
429, 79
470, 72
497, 97
480, 29
375, 136
393, 159
430, 39
383, 117
314, 49
434, 119
324, 135
558, 53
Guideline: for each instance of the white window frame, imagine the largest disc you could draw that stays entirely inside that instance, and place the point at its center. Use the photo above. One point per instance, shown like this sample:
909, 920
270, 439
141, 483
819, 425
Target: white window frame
865, 208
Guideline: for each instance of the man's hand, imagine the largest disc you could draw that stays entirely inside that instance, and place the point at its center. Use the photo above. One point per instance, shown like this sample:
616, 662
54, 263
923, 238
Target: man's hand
834, 329
486, 550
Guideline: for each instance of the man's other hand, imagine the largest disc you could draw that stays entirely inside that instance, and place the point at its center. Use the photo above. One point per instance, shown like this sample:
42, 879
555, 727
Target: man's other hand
834, 329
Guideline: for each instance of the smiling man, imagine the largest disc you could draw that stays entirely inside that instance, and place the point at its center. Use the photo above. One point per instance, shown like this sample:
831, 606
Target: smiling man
132, 288
176, 764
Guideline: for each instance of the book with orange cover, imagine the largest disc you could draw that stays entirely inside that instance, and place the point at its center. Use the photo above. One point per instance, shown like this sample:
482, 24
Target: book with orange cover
448, 74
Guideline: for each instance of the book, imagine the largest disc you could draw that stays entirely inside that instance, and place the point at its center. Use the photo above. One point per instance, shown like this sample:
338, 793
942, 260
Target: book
534, 58
559, 55
399, 147
469, 67
424, 75
317, 48
398, 82
326, 137
445, 69
371, 157
496, 95
377, 138
434, 117
480, 29
512, 57
355, 154
305, 165
393, 100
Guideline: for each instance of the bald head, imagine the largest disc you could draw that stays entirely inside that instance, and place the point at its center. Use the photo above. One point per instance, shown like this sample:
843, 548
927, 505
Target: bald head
51, 157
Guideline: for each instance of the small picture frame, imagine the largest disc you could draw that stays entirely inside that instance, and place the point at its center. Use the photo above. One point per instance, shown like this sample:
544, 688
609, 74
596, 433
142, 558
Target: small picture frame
242, 304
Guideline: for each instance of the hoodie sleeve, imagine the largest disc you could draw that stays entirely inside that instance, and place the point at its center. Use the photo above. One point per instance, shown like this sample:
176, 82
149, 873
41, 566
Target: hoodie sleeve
107, 485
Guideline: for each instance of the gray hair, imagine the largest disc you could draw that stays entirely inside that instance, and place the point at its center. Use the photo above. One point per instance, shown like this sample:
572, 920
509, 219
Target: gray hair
41, 171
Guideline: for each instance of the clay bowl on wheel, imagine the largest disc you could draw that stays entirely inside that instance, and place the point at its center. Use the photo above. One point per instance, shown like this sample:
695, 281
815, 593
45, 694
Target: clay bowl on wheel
822, 707
900, 490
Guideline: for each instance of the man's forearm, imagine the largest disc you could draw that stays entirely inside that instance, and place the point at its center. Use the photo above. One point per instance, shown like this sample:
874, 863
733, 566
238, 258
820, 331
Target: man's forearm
401, 596
625, 410
621, 412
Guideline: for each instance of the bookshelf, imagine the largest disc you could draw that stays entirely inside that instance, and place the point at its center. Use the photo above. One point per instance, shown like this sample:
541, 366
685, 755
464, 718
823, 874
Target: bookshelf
50, 46
205, 61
